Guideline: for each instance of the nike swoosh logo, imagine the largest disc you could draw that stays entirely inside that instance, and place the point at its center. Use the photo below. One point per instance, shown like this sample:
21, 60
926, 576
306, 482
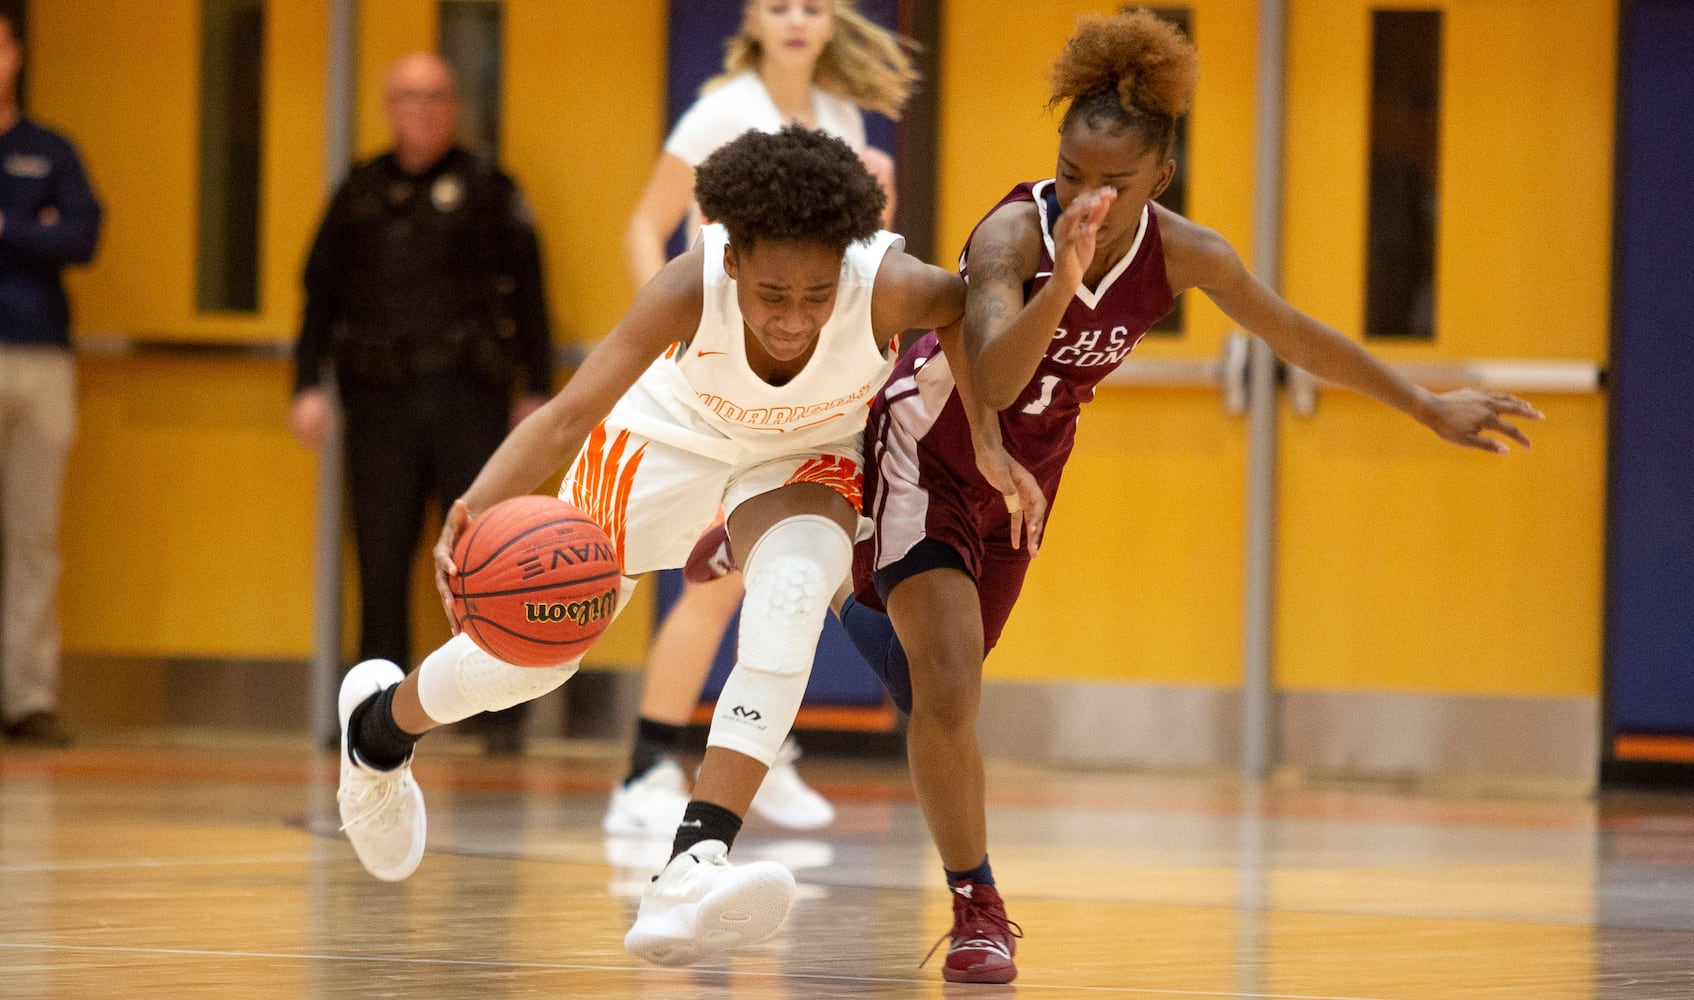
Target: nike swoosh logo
982, 944
707, 354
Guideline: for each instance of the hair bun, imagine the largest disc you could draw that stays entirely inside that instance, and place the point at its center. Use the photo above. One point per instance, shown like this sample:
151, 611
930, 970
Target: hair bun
1147, 61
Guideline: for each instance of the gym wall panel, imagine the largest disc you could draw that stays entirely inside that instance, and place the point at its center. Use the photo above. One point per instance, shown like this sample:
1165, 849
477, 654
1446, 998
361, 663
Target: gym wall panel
188, 527
124, 89
1527, 183
386, 30
1407, 565
584, 118
1138, 579
192, 454
292, 183
123, 81
1525, 180
188, 522
995, 129
1650, 633
1411, 566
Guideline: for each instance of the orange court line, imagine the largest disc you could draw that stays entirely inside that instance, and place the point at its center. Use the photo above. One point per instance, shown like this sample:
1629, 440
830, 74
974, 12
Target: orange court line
1675, 749
850, 718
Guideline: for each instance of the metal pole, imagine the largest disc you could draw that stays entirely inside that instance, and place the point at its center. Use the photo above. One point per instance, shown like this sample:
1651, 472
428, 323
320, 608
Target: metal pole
326, 591
1258, 731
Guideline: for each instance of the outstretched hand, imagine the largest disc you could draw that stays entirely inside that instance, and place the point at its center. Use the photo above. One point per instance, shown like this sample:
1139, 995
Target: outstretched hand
1461, 416
1074, 235
1025, 502
458, 516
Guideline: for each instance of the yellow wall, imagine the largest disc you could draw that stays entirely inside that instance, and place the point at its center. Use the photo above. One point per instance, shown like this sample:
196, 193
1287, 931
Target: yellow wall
190, 456
1139, 578
1406, 564
584, 118
387, 30
143, 276
1524, 243
188, 521
122, 79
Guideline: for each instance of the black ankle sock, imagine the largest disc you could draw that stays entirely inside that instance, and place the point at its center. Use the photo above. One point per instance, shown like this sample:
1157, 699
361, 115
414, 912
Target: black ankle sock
982, 874
654, 741
705, 821
373, 735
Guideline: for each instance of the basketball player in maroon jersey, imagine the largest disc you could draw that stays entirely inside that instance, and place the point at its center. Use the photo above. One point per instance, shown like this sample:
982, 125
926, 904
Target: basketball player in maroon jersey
1065, 276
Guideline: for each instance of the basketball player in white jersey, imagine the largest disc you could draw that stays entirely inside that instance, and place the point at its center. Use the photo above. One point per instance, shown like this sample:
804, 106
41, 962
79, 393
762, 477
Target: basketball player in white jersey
821, 64
739, 378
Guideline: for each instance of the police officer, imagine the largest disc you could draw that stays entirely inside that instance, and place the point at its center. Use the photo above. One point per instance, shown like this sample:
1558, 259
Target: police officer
423, 288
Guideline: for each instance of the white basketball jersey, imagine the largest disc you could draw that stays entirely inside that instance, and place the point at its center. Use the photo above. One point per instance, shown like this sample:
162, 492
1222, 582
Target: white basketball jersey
829, 398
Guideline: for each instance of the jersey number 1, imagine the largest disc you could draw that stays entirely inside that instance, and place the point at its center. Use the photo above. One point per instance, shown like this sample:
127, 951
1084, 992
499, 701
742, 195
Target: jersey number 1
1040, 403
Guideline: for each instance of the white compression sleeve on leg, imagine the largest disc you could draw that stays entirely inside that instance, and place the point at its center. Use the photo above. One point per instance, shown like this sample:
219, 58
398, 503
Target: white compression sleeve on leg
790, 576
459, 680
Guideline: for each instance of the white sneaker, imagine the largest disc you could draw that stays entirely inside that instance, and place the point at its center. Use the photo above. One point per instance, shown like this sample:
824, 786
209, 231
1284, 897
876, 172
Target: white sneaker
786, 800
651, 805
701, 905
382, 812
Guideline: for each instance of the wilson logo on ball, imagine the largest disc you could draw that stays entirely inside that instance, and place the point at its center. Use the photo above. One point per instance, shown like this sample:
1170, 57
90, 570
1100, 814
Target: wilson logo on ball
581, 612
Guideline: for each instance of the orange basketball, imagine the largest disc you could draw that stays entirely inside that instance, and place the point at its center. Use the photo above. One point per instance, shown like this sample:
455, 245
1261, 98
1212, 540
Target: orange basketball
538, 581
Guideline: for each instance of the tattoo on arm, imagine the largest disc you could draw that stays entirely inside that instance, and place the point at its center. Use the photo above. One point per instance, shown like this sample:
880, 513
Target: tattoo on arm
997, 274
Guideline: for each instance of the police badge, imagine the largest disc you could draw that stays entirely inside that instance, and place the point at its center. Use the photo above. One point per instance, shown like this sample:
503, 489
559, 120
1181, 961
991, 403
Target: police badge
447, 193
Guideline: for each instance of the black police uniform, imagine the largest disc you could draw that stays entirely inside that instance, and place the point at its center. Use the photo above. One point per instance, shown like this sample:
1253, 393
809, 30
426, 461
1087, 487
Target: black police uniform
424, 291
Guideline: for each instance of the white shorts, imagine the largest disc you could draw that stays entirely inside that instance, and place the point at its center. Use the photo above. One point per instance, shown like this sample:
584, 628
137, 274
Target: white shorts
657, 477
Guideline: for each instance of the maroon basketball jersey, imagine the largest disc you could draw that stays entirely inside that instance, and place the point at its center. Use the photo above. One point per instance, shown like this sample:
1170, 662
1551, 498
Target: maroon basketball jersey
921, 480
1099, 328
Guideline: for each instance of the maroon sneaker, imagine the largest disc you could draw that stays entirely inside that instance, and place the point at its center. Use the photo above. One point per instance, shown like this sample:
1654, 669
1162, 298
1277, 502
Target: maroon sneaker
710, 559
984, 941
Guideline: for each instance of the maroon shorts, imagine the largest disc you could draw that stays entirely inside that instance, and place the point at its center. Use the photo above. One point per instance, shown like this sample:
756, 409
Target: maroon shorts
933, 511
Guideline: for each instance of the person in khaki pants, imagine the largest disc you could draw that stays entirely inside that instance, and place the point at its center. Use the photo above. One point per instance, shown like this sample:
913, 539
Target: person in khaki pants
49, 218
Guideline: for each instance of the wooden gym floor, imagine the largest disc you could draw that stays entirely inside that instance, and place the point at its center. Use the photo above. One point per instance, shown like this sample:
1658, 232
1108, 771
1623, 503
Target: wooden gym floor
184, 865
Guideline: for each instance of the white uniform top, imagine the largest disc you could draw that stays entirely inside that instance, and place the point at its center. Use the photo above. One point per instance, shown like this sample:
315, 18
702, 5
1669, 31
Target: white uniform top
741, 103
699, 430
709, 375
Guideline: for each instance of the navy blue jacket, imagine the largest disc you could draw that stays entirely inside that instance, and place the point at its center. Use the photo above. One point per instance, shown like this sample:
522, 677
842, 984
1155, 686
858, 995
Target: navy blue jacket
51, 219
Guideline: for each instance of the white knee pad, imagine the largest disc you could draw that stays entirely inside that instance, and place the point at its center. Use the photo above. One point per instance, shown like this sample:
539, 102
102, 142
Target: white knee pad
790, 576
459, 680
